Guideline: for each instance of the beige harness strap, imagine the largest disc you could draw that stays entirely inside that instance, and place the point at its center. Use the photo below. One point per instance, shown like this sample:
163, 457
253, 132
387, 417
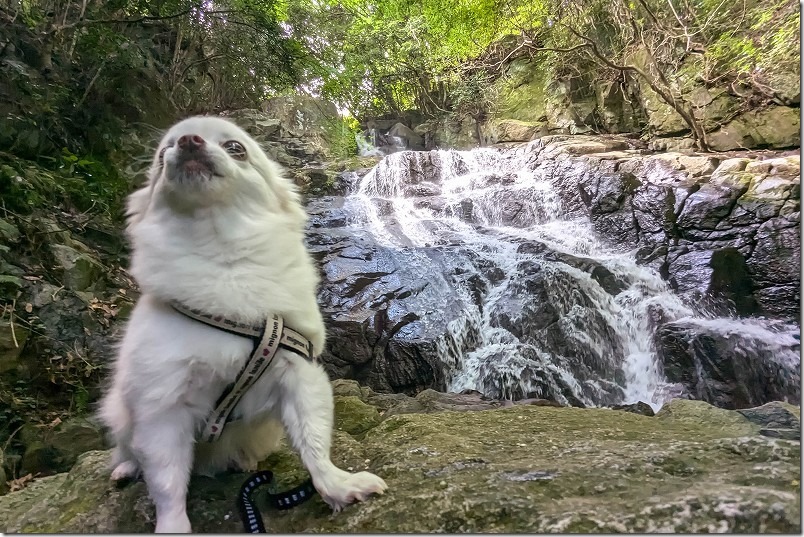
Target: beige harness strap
268, 339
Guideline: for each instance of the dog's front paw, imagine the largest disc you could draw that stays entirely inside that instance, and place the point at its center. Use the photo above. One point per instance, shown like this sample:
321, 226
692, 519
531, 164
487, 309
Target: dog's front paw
125, 471
343, 488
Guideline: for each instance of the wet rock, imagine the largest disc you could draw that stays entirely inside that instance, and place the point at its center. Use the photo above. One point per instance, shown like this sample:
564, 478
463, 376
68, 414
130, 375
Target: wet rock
610, 282
411, 138
519, 372
694, 219
386, 310
609, 199
534, 309
639, 407
730, 364
775, 262
725, 230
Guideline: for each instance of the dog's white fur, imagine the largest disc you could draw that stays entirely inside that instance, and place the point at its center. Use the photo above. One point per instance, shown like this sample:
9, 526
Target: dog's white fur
226, 237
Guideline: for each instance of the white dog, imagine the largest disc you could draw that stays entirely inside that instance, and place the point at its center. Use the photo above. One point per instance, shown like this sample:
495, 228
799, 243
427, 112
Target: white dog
218, 229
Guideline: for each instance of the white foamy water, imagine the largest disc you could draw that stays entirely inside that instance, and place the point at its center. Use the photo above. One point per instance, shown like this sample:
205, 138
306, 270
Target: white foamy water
492, 203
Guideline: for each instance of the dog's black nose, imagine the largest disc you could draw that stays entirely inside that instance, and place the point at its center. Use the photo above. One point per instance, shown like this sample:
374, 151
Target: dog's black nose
190, 142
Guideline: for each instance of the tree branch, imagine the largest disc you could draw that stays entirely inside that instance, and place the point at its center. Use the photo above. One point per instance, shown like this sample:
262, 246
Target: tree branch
144, 18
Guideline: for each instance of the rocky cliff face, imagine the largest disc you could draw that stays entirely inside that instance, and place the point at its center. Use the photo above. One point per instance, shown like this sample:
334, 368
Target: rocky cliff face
451, 468
530, 101
502, 271
724, 227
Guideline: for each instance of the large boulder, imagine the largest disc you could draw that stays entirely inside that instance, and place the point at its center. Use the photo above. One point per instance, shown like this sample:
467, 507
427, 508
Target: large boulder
300, 115
534, 309
79, 270
386, 309
513, 130
692, 468
51, 449
731, 364
776, 127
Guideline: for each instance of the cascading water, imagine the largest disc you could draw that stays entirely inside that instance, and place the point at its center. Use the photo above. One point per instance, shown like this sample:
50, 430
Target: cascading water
553, 310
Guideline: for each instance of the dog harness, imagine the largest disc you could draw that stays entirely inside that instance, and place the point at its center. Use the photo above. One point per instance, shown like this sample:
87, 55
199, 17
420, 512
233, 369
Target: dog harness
268, 337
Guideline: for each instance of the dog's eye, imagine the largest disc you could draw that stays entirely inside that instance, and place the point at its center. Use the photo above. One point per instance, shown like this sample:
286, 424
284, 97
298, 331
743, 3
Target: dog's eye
235, 149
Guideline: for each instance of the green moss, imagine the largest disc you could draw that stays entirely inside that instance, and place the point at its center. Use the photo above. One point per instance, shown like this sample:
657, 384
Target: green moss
694, 468
521, 94
354, 416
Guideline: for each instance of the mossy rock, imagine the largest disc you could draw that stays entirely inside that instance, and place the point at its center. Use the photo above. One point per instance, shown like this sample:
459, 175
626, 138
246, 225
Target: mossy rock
9, 285
56, 450
354, 416
693, 468
514, 130
521, 94
79, 270
775, 127
9, 233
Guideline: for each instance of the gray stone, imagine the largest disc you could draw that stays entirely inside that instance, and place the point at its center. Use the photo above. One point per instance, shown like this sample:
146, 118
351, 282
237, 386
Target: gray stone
79, 270
412, 139
705, 357
49, 450
512, 130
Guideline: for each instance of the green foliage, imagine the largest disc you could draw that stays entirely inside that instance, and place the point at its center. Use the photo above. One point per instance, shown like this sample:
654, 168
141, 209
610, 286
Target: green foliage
395, 55
388, 56
340, 137
74, 74
73, 183
474, 95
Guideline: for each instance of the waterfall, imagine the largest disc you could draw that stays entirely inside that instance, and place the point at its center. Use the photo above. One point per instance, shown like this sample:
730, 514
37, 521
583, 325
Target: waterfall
553, 310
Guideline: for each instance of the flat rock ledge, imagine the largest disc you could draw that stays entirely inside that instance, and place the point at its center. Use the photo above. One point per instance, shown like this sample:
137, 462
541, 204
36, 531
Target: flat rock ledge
522, 468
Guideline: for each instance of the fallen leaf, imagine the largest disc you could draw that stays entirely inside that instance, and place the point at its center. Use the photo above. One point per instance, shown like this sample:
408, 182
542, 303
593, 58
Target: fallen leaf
20, 483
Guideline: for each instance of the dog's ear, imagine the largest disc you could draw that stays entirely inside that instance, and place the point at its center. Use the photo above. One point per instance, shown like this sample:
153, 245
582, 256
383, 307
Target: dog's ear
284, 191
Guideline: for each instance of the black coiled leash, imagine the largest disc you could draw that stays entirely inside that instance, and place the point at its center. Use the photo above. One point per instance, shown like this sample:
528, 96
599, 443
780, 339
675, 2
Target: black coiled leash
250, 514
